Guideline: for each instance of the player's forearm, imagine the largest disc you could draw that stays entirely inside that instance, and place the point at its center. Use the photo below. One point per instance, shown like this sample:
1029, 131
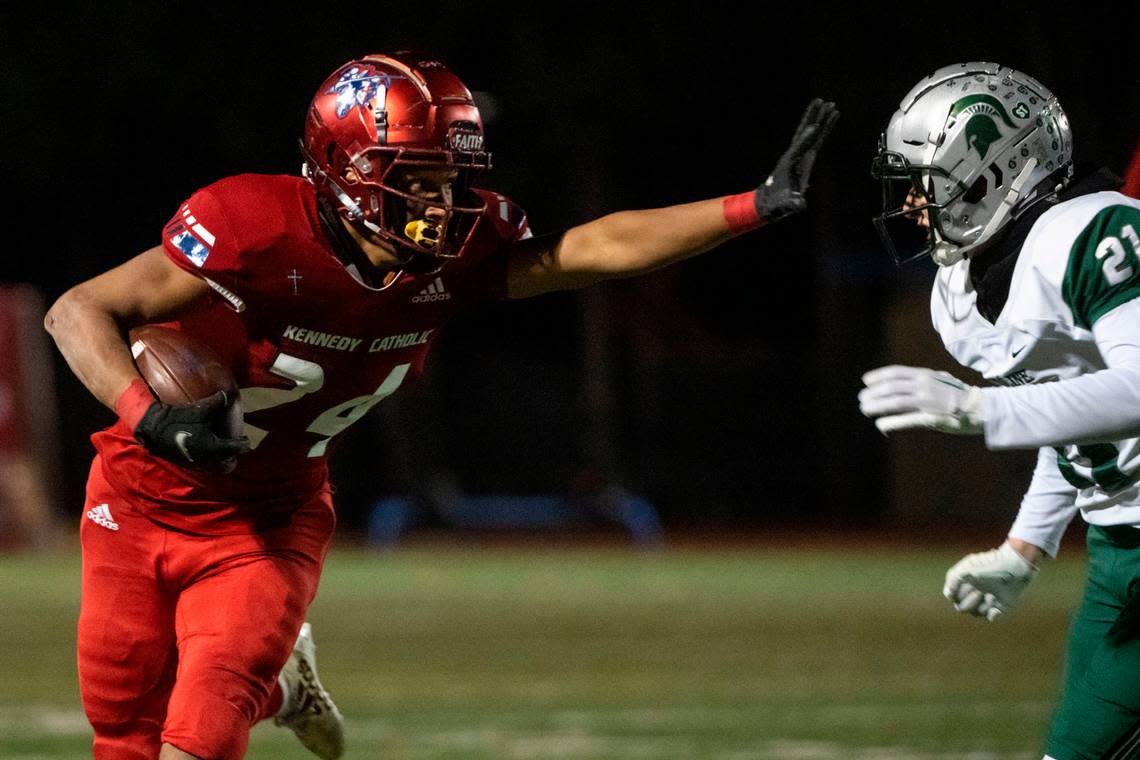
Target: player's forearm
1103, 406
93, 344
1047, 508
628, 243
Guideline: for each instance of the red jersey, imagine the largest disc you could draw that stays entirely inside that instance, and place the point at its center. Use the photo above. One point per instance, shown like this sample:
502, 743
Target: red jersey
312, 347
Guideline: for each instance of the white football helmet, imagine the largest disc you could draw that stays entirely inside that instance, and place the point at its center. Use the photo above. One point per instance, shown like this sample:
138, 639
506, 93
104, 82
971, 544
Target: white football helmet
971, 147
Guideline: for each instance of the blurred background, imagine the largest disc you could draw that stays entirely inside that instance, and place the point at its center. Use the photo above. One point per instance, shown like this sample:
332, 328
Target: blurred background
722, 391
708, 405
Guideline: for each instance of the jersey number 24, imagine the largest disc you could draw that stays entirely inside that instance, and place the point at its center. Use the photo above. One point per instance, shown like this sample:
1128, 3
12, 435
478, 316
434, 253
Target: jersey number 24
308, 377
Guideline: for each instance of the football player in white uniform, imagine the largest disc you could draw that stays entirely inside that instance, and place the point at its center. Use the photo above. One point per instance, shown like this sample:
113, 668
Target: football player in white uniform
1037, 290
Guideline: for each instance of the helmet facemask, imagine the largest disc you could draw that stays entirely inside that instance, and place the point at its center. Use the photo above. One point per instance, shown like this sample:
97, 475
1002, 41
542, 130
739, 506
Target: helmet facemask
417, 200
915, 197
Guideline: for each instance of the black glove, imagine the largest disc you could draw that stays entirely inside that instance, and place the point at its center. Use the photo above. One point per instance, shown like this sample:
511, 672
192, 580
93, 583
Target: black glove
188, 434
782, 194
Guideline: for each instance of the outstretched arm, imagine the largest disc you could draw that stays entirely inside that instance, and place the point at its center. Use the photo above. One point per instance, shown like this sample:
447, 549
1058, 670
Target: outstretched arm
628, 243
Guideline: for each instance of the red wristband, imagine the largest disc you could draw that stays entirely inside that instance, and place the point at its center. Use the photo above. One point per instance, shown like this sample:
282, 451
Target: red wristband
740, 212
132, 403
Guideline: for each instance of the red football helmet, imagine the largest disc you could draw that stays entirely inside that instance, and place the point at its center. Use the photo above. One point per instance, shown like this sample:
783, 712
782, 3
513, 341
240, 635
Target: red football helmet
375, 129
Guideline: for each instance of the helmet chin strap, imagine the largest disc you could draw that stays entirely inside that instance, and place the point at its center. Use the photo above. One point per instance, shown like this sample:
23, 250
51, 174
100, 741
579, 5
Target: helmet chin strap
355, 213
947, 254
1007, 203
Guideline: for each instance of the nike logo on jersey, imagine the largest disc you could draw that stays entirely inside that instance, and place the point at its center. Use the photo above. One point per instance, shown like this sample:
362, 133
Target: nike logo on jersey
346, 343
433, 292
101, 515
1013, 354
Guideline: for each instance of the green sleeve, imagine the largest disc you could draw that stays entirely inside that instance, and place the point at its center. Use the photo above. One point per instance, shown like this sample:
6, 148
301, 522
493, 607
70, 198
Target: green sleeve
1104, 265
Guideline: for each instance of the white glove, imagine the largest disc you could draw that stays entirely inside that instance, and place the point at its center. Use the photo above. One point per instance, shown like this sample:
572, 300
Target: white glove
987, 584
903, 398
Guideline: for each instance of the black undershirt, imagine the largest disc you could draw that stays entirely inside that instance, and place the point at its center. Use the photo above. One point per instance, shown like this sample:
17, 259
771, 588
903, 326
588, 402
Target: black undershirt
991, 271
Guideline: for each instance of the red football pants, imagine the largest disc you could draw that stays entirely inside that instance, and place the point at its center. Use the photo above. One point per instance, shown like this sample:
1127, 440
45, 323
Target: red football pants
181, 637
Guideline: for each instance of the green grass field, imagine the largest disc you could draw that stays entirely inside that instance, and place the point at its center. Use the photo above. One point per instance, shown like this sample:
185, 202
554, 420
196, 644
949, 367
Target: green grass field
766, 652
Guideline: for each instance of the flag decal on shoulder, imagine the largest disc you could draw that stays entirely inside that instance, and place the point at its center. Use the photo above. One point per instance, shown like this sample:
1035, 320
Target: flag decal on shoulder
190, 237
192, 247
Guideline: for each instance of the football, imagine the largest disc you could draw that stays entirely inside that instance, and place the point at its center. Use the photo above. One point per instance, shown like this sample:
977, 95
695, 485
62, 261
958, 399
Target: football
181, 370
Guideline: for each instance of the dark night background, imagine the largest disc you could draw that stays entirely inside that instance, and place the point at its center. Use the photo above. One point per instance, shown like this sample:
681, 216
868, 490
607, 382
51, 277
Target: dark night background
723, 388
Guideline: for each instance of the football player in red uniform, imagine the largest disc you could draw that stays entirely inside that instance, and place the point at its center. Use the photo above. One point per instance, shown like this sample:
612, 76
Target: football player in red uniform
323, 294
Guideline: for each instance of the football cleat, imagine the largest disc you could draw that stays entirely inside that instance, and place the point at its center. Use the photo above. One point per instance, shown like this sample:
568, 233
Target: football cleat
307, 709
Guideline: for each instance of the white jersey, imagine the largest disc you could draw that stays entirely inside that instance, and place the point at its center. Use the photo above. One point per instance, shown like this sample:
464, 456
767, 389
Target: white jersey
1066, 351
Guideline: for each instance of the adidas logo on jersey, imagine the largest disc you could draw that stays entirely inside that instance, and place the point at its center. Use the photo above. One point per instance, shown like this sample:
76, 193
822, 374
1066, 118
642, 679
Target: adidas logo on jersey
433, 292
101, 515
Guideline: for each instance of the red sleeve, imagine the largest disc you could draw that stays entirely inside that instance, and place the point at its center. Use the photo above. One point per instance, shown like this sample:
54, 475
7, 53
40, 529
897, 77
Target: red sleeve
486, 277
199, 239
515, 224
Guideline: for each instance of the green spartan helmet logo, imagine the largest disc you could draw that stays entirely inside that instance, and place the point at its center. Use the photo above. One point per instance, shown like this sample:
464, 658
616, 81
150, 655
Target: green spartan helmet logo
981, 127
